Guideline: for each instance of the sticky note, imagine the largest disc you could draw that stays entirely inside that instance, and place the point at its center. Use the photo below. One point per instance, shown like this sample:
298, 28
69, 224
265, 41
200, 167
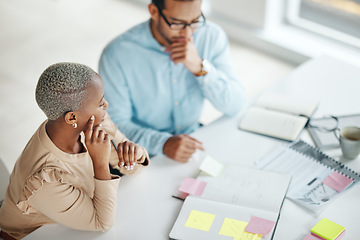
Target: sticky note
192, 186
337, 181
232, 227
310, 237
259, 225
236, 229
200, 220
326, 229
211, 166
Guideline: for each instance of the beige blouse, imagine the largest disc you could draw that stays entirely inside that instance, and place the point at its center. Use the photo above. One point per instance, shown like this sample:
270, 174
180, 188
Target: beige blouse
48, 185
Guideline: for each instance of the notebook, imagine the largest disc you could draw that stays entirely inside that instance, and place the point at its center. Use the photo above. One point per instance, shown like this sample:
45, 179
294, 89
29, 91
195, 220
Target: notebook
278, 116
317, 179
236, 197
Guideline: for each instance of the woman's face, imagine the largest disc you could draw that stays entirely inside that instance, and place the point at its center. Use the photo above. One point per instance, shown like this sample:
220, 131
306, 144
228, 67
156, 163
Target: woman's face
94, 103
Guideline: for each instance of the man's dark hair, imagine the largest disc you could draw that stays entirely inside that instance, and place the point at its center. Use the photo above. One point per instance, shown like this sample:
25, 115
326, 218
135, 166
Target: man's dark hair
161, 3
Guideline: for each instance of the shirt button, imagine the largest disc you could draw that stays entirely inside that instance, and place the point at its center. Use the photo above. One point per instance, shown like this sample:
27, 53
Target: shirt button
176, 103
174, 81
178, 127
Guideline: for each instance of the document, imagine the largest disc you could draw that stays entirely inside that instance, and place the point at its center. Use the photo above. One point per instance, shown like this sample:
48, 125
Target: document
316, 180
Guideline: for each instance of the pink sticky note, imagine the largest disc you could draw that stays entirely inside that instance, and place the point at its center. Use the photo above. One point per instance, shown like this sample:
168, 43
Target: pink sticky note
337, 181
192, 186
259, 225
310, 237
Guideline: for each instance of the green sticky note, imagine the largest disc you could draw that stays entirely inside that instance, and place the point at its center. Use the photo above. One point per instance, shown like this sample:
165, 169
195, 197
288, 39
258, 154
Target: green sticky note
200, 220
236, 229
327, 229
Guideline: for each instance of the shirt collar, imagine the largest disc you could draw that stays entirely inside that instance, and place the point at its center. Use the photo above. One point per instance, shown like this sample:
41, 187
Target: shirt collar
153, 42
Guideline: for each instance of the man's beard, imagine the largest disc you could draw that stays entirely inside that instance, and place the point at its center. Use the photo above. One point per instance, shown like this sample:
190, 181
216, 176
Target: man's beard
162, 33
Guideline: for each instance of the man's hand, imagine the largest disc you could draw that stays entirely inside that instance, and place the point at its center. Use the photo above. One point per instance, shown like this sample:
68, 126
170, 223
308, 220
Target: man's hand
181, 147
129, 154
98, 145
183, 51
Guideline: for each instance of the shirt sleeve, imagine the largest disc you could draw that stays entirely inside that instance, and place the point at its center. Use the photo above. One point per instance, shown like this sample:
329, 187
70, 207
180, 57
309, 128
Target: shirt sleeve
71, 207
220, 85
120, 106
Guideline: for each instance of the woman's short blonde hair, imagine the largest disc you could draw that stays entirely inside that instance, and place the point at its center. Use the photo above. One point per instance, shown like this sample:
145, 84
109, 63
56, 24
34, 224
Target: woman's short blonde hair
61, 88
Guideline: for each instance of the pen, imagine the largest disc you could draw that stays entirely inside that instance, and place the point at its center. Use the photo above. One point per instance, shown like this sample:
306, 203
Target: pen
113, 143
178, 198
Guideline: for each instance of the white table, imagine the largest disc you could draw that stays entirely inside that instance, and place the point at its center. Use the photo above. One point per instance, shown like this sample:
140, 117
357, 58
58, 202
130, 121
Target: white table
146, 209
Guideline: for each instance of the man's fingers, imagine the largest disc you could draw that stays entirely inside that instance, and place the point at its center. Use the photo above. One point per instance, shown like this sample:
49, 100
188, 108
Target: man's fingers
197, 143
89, 128
200, 146
193, 139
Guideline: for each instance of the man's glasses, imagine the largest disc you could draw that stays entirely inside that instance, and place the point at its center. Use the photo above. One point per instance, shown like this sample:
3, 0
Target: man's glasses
180, 26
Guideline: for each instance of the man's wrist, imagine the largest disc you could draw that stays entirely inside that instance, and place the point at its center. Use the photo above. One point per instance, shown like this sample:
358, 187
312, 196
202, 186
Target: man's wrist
205, 68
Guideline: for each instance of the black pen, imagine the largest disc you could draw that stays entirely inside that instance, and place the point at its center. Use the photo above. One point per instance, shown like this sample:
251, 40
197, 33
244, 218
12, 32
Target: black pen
113, 143
178, 198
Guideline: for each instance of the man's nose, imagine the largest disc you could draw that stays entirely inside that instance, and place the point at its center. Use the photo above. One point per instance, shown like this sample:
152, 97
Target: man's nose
186, 32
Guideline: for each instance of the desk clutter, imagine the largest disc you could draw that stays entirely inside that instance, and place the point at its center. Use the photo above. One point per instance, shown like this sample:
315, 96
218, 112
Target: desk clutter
244, 203
326, 230
317, 179
230, 201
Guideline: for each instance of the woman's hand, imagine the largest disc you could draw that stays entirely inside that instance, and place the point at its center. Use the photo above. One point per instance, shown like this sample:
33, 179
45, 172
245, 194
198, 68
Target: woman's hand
98, 145
129, 154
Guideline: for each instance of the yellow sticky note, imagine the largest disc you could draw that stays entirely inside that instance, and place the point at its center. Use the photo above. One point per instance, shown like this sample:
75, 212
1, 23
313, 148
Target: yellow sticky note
232, 227
200, 220
327, 229
236, 229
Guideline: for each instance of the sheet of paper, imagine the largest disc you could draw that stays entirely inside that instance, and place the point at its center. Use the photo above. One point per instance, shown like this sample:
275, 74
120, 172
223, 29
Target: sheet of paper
337, 181
200, 220
236, 229
192, 186
247, 187
259, 225
211, 166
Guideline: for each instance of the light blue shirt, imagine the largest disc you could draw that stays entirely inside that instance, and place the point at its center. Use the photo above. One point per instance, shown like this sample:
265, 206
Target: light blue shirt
150, 98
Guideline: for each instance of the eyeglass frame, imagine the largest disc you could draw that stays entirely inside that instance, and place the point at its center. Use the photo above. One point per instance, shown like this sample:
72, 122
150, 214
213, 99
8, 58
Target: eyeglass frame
184, 24
325, 129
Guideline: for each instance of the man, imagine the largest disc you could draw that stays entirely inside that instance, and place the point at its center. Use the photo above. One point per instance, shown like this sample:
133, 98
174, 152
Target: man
157, 75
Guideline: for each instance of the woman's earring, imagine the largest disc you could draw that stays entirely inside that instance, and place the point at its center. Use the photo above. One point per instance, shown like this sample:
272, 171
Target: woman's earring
74, 125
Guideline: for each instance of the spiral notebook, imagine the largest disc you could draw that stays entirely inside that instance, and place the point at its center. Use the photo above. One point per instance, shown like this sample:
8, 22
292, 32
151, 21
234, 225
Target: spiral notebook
317, 179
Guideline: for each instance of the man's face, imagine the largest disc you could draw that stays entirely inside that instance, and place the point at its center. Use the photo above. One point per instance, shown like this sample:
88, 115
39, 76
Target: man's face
178, 12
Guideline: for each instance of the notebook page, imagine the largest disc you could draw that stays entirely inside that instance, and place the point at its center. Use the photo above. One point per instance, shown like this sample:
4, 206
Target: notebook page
289, 104
271, 123
247, 187
210, 219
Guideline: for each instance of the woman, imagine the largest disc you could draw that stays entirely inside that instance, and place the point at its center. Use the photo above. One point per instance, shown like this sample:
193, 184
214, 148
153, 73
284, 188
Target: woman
63, 173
